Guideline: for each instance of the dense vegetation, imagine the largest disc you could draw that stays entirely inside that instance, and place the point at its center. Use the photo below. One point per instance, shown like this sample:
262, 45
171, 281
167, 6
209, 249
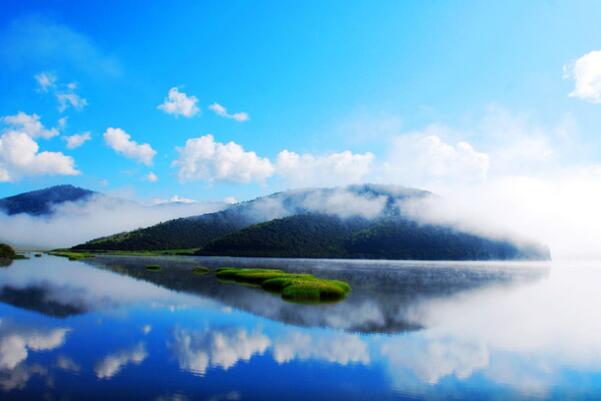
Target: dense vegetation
41, 202
392, 238
292, 287
174, 234
308, 235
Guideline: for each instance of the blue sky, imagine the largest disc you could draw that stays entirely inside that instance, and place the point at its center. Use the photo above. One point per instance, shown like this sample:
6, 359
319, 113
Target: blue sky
418, 93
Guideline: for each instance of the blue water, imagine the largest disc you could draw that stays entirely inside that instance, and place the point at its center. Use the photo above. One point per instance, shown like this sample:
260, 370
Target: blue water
107, 329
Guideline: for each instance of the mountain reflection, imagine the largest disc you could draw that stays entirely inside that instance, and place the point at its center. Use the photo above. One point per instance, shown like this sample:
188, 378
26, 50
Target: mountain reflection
383, 299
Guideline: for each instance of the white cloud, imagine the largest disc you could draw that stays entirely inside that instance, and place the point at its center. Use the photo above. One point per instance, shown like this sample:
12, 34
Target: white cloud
75, 141
29, 124
65, 94
70, 99
203, 158
151, 177
111, 364
222, 111
174, 199
420, 158
121, 142
179, 104
316, 170
46, 81
344, 203
19, 157
230, 200
586, 73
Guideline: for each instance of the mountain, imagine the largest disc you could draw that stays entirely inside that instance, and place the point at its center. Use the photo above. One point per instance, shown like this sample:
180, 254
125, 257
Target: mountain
361, 221
327, 236
197, 231
42, 202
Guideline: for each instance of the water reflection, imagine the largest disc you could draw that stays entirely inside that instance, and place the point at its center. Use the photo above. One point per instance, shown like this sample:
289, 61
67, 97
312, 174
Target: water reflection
383, 299
196, 350
111, 364
494, 332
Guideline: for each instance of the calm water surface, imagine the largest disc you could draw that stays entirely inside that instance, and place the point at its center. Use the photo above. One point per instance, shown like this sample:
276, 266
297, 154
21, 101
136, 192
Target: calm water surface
107, 329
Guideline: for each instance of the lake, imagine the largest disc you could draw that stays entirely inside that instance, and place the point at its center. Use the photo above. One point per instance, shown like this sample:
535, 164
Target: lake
108, 329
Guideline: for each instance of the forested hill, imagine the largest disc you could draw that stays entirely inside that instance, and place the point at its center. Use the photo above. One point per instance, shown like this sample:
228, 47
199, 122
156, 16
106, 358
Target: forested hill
41, 202
197, 231
363, 221
326, 236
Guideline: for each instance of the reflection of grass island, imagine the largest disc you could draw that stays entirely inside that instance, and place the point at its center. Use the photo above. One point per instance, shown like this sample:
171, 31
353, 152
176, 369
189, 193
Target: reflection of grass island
153, 268
200, 270
292, 286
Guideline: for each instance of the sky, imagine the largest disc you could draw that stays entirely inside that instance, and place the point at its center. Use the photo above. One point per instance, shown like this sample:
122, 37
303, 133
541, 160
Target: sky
224, 100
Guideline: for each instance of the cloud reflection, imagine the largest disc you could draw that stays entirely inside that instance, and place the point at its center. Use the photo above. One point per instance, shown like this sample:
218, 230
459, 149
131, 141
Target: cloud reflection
111, 364
16, 342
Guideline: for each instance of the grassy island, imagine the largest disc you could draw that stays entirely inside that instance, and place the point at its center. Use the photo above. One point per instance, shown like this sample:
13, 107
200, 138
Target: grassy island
153, 268
200, 270
292, 286
71, 255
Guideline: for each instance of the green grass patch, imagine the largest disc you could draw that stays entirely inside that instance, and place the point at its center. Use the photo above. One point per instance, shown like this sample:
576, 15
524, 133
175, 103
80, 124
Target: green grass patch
38, 255
200, 270
20, 256
292, 286
153, 268
71, 255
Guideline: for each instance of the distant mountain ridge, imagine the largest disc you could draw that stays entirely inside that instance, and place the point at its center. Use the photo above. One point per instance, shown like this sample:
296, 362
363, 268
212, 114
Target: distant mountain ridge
360, 221
42, 202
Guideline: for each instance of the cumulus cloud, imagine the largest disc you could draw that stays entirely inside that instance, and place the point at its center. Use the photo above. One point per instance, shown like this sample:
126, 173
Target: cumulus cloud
20, 156
99, 216
179, 104
586, 74
422, 157
76, 140
111, 364
121, 142
318, 170
203, 158
29, 124
19, 152
222, 111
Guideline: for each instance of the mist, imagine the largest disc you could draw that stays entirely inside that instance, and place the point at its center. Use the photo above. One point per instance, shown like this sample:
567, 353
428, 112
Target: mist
72, 223
560, 212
